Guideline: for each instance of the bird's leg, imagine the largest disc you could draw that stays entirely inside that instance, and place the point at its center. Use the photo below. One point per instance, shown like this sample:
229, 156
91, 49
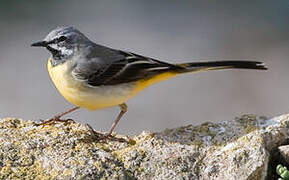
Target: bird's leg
57, 118
123, 110
102, 137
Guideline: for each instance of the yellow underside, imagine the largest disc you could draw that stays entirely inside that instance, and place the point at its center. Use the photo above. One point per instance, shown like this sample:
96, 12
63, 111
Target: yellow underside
100, 97
141, 85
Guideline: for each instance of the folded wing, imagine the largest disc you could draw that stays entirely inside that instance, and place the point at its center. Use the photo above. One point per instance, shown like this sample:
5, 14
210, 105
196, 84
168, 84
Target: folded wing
131, 68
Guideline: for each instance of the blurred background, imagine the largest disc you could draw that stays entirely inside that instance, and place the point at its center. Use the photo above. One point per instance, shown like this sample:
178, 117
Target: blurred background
173, 31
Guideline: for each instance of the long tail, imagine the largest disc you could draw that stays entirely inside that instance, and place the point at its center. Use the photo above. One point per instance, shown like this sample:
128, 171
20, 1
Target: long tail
216, 65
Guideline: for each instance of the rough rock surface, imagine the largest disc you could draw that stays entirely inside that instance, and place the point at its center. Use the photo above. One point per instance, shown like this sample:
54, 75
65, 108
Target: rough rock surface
284, 152
237, 149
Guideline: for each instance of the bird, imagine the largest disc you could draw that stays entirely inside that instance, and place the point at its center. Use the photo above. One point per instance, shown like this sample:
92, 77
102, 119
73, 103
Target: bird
94, 76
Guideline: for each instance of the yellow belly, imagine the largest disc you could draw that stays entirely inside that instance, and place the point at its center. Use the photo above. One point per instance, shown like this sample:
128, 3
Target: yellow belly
81, 95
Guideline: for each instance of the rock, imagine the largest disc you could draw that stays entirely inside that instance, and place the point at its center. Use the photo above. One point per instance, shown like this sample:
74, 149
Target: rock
284, 151
237, 149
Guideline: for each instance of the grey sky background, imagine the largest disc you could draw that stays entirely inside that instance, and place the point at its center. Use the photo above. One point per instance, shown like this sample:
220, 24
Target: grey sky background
173, 31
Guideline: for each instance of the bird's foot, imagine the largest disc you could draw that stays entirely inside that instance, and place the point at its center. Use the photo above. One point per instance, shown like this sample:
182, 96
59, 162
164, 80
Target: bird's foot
53, 121
104, 137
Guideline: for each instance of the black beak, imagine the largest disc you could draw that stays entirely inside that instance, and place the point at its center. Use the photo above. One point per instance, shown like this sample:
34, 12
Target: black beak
40, 44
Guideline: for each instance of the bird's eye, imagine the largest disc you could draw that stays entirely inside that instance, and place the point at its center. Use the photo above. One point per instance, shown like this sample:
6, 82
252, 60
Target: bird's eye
62, 38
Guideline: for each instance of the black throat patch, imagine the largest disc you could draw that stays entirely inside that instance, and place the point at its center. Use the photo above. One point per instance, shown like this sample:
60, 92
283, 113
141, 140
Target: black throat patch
57, 55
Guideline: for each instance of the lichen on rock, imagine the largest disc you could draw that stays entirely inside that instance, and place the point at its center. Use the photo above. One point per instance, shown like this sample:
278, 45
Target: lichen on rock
237, 149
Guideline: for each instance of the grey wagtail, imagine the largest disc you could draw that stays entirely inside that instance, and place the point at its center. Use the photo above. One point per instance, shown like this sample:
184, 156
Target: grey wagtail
93, 76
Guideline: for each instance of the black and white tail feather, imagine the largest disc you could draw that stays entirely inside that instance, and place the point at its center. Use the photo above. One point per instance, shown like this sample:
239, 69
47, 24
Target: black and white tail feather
215, 65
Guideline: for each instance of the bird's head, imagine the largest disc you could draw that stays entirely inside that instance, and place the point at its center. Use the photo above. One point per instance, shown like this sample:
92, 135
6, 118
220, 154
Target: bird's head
63, 43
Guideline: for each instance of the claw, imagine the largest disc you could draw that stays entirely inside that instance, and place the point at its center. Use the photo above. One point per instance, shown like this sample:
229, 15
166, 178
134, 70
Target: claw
56, 118
103, 137
53, 121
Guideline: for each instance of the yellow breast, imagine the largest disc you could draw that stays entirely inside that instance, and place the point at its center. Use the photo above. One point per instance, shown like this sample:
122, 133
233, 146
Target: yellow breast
63, 81
81, 95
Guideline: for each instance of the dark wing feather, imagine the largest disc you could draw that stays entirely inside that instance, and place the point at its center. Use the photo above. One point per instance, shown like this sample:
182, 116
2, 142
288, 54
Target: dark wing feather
131, 68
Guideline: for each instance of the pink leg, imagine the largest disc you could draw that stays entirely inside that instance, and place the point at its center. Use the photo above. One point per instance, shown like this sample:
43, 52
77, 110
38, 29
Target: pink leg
57, 118
108, 136
123, 110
